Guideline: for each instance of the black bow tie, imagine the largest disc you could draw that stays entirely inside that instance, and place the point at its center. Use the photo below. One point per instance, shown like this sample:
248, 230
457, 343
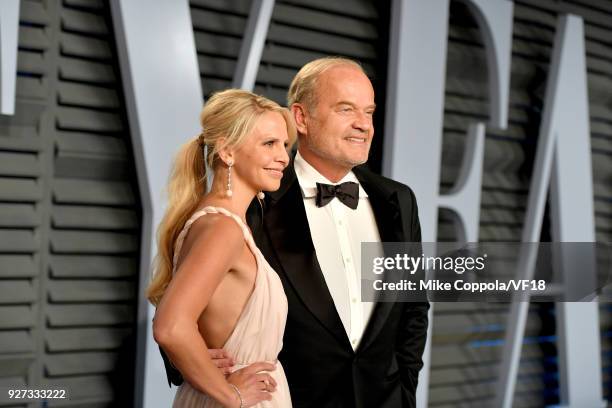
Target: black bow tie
347, 192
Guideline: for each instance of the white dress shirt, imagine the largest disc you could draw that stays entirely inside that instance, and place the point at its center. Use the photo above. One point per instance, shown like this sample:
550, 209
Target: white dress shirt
337, 232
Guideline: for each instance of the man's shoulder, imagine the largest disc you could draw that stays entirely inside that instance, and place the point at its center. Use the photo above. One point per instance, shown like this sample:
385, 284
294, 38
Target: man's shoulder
364, 173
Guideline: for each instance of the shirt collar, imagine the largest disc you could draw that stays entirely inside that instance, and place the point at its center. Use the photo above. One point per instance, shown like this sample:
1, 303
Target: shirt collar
308, 177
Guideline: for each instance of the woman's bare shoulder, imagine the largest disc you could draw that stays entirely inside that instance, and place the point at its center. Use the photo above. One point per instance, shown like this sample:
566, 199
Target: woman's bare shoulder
212, 247
217, 226
213, 233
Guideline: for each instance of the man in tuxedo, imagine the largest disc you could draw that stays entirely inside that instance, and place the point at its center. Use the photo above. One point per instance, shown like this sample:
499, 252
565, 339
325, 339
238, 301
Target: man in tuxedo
339, 351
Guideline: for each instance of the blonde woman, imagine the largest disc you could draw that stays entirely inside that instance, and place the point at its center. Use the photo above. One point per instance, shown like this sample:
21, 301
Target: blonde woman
212, 287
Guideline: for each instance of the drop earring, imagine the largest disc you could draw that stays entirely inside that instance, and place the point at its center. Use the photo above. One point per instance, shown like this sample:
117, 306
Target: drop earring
228, 191
261, 195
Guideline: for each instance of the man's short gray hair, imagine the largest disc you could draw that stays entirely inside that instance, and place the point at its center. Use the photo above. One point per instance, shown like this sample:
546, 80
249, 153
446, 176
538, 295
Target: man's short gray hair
303, 86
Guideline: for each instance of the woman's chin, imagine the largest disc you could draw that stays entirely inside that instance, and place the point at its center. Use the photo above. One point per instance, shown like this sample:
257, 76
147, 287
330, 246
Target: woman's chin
270, 186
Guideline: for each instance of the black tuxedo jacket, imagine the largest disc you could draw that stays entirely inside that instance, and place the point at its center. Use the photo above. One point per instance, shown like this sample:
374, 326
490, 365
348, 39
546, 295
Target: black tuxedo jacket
322, 368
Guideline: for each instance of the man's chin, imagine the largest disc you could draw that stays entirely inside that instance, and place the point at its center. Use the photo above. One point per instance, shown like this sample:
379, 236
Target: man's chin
357, 158
357, 162
347, 161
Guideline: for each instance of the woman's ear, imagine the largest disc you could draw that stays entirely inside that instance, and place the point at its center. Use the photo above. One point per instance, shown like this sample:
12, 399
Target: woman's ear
301, 116
225, 154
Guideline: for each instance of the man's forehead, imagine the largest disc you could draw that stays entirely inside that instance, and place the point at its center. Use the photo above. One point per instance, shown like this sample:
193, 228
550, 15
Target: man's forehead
343, 81
344, 73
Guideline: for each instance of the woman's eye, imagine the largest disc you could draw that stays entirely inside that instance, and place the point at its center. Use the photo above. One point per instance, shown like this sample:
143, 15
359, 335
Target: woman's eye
269, 143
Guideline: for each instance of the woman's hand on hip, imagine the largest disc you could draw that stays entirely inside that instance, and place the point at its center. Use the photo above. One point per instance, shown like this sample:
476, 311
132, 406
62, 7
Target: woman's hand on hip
254, 383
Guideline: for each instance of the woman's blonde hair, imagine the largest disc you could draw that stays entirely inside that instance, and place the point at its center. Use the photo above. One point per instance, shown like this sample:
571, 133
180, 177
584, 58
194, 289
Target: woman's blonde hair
227, 119
303, 86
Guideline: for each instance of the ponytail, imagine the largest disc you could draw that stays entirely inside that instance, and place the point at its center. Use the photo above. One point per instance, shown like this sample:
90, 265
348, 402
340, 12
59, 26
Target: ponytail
186, 187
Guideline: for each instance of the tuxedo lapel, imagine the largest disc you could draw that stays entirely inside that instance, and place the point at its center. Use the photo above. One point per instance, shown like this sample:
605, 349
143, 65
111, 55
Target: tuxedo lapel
288, 230
386, 209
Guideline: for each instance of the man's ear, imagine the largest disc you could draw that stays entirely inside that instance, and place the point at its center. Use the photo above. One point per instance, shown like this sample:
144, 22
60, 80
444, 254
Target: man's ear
225, 154
300, 114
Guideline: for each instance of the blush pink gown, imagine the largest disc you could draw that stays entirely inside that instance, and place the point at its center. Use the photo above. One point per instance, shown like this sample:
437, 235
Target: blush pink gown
258, 335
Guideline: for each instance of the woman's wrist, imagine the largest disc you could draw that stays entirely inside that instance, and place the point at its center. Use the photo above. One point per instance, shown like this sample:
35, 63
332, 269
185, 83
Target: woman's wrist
238, 394
233, 399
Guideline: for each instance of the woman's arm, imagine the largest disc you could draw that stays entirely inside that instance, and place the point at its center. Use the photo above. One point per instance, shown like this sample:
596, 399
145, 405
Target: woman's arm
175, 328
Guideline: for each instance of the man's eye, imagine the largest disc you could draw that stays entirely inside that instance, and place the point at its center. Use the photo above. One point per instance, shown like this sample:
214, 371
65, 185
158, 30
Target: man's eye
269, 143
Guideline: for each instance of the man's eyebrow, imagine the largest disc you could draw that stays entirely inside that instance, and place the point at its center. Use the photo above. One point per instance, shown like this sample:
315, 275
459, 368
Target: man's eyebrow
373, 106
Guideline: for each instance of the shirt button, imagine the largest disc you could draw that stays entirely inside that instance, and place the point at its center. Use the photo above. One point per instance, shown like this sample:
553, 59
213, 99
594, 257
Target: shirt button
354, 300
348, 260
354, 341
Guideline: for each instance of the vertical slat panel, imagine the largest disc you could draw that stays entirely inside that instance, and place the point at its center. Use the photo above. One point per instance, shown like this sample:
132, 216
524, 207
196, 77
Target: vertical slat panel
507, 171
69, 212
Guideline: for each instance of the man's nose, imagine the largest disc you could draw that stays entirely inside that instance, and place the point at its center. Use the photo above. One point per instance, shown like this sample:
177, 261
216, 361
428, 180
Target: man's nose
363, 122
